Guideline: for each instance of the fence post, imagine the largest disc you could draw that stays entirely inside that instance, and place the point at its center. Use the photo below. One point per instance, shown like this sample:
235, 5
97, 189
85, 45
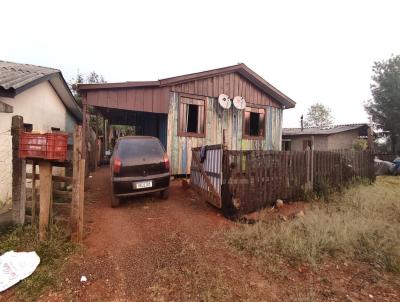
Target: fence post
78, 178
18, 172
45, 190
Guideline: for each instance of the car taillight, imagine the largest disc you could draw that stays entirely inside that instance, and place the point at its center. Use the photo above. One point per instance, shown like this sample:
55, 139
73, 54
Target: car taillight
166, 161
117, 165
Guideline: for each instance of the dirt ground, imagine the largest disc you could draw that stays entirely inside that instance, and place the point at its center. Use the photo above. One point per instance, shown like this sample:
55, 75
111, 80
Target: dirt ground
151, 249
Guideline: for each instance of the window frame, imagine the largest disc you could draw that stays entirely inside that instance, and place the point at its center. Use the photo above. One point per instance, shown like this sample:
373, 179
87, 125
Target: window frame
198, 98
255, 109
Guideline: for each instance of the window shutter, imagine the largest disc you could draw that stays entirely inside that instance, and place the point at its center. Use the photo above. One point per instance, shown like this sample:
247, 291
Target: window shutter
247, 122
262, 122
200, 120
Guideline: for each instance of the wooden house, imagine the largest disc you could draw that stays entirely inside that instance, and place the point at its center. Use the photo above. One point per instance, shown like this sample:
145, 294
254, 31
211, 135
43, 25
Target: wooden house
184, 111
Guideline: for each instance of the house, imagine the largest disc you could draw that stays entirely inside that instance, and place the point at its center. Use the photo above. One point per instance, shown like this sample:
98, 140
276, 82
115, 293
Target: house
42, 97
336, 137
185, 112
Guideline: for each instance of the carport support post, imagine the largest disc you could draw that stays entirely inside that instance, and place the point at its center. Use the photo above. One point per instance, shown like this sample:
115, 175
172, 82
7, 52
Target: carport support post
18, 172
84, 125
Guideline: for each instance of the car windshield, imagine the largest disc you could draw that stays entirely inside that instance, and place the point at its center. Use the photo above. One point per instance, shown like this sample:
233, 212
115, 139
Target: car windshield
128, 148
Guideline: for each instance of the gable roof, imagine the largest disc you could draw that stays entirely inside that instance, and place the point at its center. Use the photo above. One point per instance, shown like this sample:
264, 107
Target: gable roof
16, 78
322, 130
241, 69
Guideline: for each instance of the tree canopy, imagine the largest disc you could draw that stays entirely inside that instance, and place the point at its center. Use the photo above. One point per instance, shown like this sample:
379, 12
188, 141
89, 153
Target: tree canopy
318, 115
385, 105
91, 78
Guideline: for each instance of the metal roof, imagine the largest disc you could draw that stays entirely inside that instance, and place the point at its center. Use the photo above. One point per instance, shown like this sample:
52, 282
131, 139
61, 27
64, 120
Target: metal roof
16, 78
241, 68
322, 130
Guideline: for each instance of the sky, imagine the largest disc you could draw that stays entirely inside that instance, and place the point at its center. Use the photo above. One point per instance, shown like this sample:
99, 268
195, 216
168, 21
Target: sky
313, 51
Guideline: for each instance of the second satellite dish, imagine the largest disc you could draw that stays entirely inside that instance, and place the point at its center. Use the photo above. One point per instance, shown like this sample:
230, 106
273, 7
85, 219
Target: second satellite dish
239, 102
224, 101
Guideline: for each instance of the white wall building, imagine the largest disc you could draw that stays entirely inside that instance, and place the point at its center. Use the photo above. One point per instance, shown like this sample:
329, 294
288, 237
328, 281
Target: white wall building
42, 97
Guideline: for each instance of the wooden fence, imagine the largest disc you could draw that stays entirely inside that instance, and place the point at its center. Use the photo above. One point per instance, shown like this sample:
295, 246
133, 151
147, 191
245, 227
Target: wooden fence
254, 179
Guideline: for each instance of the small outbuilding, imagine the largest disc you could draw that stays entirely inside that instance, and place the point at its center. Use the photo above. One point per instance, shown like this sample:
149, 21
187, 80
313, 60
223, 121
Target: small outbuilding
335, 137
42, 97
196, 109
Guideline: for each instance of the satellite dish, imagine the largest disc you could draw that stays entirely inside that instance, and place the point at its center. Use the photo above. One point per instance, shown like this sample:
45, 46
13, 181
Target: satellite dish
224, 101
239, 102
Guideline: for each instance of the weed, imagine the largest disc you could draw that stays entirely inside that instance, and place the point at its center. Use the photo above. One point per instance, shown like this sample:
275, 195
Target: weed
52, 252
361, 223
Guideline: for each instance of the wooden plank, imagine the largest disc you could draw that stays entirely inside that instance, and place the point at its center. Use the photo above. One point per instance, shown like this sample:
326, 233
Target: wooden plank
76, 183
82, 166
45, 197
33, 193
61, 193
57, 178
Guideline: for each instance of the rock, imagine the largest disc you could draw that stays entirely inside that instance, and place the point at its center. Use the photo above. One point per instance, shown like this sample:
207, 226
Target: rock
282, 217
279, 203
83, 279
299, 214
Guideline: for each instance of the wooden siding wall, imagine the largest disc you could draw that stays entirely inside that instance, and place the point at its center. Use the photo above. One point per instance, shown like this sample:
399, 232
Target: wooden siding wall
138, 99
179, 147
231, 84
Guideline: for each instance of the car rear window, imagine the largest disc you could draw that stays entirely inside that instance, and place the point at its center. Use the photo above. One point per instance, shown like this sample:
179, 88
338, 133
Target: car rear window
139, 147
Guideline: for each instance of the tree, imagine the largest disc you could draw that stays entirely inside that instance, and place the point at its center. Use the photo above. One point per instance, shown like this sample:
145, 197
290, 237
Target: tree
318, 115
385, 105
91, 78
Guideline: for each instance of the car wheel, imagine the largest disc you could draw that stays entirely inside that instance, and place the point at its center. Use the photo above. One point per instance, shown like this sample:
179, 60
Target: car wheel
114, 199
164, 194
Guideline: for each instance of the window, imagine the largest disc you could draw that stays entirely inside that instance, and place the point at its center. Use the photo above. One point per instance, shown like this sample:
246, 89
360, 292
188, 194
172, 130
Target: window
307, 144
254, 122
286, 145
54, 129
28, 127
191, 117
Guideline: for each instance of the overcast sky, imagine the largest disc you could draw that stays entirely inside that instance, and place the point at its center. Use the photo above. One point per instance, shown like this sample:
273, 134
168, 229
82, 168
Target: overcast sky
311, 50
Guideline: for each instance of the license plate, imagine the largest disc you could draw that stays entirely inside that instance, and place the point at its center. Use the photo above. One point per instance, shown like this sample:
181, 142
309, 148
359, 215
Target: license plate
143, 184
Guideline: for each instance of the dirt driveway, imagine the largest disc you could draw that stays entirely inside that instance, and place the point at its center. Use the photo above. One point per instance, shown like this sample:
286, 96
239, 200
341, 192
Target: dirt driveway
154, 249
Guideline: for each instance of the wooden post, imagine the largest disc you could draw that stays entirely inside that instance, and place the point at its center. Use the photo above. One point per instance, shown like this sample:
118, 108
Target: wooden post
84, 125
82, 165
18, 173
45, 197
78, 179
33, 192
96, 145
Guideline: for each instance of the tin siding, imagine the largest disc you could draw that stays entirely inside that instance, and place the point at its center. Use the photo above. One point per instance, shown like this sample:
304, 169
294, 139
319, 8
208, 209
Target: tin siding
217, 119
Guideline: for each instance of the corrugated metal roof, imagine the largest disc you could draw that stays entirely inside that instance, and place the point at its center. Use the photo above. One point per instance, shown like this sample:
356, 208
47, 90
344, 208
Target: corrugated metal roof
322, 130
17, 77
14, 76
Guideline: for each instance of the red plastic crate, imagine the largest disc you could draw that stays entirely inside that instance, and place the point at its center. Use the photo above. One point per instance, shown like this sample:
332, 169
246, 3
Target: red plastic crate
56, 146
51, 146
32, 145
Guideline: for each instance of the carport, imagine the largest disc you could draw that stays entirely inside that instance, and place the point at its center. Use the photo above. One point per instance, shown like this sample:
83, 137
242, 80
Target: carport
143, 105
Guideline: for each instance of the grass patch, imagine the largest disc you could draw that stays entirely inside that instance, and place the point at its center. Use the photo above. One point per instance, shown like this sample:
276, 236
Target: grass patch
53, 252
361, 223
